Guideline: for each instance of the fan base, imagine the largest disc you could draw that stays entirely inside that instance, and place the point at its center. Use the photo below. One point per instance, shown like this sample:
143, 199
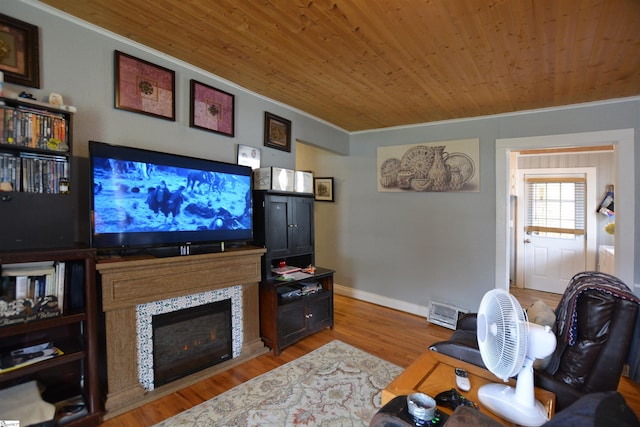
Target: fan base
501, 400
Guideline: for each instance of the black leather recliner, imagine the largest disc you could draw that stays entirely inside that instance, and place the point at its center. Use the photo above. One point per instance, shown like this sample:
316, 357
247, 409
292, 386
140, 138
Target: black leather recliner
594, 326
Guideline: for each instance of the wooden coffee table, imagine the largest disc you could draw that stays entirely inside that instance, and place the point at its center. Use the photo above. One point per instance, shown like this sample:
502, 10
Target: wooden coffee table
433, 373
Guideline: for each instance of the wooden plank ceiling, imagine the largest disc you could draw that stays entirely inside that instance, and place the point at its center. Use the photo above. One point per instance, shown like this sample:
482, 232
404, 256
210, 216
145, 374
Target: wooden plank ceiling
373, 64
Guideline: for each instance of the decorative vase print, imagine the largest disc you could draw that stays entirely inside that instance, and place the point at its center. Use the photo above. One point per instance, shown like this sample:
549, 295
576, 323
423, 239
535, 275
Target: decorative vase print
439, 175
456, 182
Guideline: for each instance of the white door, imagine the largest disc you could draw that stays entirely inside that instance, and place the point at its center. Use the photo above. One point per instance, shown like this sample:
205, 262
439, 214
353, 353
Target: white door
551, 262
553, 229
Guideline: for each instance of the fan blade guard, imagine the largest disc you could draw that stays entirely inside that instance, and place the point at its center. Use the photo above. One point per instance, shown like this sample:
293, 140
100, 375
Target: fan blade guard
502, 333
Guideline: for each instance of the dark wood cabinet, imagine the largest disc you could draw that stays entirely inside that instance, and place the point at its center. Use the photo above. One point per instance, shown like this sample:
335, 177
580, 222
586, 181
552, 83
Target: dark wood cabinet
288, 314
73, 374
284, 225
36, 164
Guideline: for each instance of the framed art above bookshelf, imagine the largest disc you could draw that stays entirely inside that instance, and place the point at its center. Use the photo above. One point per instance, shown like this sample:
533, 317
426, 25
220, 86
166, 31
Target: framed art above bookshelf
21, 39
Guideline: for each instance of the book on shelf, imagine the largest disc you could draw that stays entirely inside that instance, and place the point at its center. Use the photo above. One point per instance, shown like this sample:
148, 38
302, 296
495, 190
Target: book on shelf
35, 173
285, 269
60, 284
43, 173
26, 356
10, 170
31, 291
33, 127
296, 275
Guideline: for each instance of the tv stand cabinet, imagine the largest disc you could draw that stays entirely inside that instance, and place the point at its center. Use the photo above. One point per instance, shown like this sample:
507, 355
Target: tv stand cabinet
284, 319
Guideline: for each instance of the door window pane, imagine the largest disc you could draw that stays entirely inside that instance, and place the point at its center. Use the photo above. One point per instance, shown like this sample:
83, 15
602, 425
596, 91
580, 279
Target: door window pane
555, 207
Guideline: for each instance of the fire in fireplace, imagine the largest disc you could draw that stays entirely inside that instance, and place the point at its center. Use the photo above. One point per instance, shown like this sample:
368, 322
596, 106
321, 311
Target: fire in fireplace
191, 339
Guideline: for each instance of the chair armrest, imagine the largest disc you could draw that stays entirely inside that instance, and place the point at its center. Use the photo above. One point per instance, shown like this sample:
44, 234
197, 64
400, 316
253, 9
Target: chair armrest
460, 351
565, 394
468, 322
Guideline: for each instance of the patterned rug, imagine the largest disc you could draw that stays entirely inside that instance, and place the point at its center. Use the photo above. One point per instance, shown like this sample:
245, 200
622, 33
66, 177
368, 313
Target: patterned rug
335, 385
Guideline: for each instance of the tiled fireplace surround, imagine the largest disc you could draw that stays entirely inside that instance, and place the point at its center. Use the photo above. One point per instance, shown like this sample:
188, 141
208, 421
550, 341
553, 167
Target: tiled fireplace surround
129, 282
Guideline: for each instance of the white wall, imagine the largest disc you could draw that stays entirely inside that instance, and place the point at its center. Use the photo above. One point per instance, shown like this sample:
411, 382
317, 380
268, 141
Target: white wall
415, 247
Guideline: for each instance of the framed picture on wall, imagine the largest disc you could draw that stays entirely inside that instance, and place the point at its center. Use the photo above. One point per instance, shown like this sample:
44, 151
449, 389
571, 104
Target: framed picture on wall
143, 87
211, 109
277, 132
19, 54
248, 156
323, 189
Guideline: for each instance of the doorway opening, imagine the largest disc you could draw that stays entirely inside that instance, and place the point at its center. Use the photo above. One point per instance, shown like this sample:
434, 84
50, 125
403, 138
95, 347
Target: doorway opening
623, 140
555, 226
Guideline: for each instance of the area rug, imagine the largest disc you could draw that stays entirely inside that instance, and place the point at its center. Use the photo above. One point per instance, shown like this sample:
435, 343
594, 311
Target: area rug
335, 385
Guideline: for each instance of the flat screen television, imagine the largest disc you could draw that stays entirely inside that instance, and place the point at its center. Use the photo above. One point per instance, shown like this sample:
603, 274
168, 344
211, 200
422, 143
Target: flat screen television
166, 204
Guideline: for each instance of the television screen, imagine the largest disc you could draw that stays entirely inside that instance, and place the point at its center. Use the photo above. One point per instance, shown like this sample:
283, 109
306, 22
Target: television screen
145, 199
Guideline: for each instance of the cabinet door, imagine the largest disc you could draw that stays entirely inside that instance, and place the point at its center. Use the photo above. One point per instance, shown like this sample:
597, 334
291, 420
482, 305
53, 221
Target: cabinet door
291, 323
303, 237
278, 233
40, 220
319, 311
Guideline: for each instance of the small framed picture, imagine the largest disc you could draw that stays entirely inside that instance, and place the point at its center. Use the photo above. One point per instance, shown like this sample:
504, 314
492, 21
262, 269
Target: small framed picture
19, 54
248, 156
143, 87
277, 132
211, 109
323, 189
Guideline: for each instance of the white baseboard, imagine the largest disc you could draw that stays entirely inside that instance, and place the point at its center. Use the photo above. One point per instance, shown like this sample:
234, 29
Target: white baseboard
395, 304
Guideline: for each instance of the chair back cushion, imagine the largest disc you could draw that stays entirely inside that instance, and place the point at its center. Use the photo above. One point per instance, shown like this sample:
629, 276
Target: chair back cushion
604, 330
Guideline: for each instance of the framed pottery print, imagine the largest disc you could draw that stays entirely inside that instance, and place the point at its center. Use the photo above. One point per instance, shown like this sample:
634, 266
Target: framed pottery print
323, 189
211, 109
248, 156
445, 166
277, 132
19, 54
143, 87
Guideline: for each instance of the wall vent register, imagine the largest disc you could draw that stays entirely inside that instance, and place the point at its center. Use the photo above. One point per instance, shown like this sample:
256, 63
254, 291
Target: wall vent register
444, 314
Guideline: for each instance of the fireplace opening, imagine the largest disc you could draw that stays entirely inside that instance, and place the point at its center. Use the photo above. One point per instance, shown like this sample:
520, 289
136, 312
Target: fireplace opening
189, 340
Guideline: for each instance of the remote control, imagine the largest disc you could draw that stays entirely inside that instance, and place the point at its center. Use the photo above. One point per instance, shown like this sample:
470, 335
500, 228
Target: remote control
462, 380
452, 399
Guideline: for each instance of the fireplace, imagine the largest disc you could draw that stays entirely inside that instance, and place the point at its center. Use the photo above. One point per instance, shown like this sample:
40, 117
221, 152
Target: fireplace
191, 339
204, 327
136, 289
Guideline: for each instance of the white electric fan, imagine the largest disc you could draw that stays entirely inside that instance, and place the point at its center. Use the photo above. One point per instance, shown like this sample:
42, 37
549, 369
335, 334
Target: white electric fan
509, 344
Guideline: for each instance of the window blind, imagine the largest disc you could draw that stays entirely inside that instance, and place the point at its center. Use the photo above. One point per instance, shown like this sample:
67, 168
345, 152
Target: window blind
556, 205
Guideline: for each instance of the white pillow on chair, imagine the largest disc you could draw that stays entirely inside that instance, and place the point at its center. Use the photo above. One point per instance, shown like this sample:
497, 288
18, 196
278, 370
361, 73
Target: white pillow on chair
541, 314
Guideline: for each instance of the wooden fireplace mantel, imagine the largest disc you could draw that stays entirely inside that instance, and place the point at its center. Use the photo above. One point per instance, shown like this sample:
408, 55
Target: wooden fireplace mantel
128, 282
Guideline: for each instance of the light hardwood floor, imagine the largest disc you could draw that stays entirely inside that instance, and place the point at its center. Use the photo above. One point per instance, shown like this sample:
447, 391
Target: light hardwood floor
389, 334
526, 297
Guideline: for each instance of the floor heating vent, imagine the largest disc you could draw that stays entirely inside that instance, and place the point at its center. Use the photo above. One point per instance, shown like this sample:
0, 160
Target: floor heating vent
444, 314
